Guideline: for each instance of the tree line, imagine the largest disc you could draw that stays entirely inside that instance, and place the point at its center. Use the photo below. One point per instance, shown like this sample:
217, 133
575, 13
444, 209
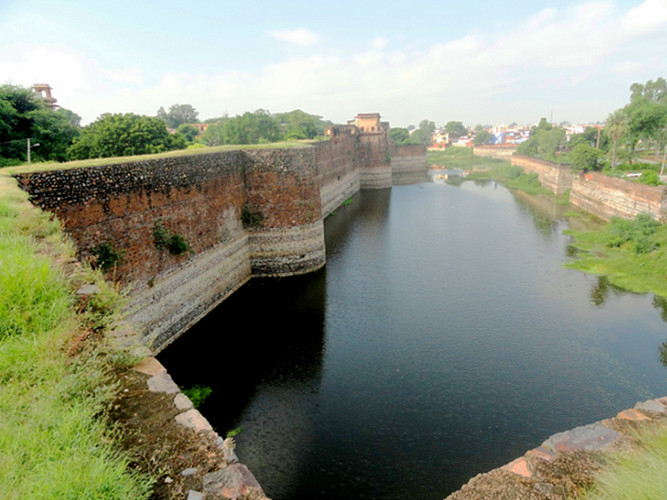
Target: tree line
27, 121
630, 137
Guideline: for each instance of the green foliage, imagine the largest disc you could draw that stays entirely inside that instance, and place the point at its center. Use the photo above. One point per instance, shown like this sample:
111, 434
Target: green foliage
650, 177
482, 137
586, 158
298, 124
640, 232
188, 131
198, 394
178, 114
166, 240
250, 218
106, 256
455, 129
637, 473
402, 136
234, 432
24, 115
124, 135
544, 143
424, 133
632, 254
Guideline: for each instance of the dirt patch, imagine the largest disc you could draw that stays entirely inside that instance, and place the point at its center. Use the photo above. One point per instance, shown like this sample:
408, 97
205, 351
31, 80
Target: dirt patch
174, 455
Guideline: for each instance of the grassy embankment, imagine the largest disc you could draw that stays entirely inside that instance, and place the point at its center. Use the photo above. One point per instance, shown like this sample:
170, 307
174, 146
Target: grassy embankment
480, 168
54, 367
635, 475
632, 254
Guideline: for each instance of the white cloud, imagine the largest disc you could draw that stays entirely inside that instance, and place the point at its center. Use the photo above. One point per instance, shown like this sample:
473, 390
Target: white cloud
298, 36
568, 59
379, 43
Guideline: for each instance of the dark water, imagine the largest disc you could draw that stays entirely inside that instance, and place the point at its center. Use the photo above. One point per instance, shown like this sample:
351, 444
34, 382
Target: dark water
444, 338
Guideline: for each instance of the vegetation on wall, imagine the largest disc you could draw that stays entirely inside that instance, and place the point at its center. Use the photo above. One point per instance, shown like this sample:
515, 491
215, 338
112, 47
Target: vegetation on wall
106, 256
251, 218
167, 240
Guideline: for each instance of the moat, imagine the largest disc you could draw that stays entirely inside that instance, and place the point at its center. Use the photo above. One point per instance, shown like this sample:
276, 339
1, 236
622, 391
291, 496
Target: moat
443, 338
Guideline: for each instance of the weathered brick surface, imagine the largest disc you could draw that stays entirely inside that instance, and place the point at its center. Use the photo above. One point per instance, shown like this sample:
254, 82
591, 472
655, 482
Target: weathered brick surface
503, 151
607, 197
553, 176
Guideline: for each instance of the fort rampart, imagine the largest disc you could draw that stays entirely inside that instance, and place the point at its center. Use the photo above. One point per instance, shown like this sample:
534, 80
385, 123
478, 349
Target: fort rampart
502, 151
242, 214
553, 176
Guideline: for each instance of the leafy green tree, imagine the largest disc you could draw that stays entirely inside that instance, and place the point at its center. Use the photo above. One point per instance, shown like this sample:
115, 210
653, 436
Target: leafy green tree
544, 142
647, 112
586, 158
251, 128
188, 131
482, 137
617, 126
25, 115
124, 135
178, 114
424, 133
455, 129
213, 135
298, 124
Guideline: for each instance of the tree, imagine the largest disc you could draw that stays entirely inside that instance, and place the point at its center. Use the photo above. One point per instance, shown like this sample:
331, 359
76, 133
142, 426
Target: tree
188, 131
455, 129
424, 133
298, 124
124, 135
617, 126
178, 114
399, 135
25, 115
647, 112
585, 158
482, 137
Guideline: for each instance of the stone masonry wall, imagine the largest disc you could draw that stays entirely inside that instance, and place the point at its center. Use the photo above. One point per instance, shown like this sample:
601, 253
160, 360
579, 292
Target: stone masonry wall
607, 197
503, 152
200, 197
338, 172
556, 178
408, 159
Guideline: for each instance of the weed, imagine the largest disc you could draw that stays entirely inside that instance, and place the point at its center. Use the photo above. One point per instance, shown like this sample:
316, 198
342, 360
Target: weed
250, 218
198, 394
106, 256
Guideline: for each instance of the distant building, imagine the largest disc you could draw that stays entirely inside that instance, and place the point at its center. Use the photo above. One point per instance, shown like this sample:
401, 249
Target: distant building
45, 90
369, 123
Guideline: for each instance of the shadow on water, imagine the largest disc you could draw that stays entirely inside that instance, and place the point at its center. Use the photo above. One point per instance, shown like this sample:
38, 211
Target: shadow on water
268, 331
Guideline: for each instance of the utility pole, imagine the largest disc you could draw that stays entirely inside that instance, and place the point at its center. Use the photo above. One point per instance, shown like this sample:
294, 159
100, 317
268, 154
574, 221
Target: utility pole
28, 149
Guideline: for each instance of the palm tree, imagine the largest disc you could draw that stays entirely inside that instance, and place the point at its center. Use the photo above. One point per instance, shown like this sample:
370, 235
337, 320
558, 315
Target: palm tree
617, 126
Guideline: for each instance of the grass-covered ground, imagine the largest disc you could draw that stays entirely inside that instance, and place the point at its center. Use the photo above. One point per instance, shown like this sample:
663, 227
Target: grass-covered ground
635, 475
55, 385
632, 254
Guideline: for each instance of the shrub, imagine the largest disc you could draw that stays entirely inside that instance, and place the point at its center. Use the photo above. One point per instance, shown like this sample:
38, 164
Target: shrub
166, 240
106, 256
250, 218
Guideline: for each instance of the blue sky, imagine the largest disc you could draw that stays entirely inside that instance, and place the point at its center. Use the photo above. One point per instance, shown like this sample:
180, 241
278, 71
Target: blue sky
483, 62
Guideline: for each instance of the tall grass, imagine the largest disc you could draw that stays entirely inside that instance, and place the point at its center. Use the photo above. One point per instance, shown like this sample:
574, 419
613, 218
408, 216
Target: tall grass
635, 475
54, 439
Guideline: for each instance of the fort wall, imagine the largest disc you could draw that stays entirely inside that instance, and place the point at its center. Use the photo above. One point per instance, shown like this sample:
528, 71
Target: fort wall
501, 151
606, 197
555, 177
243, 214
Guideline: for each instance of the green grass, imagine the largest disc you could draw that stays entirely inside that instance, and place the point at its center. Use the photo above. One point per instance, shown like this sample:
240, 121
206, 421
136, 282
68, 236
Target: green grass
54, 439
634, 475
626, 254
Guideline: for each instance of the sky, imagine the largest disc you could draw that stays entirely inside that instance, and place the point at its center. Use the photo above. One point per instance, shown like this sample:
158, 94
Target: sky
480, 61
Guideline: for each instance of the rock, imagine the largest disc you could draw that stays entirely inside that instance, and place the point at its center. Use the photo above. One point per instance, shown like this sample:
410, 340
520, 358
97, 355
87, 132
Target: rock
162, 382
88, 289
149, 366
235, 481
588, 437
195, 495
182, 402
189, 471
194, 420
